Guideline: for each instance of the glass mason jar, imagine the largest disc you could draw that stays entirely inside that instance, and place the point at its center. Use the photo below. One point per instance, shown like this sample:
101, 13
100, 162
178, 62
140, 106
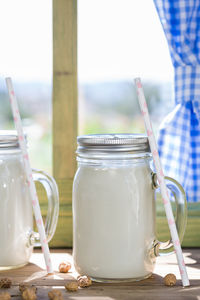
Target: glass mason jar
17, 237
114, 235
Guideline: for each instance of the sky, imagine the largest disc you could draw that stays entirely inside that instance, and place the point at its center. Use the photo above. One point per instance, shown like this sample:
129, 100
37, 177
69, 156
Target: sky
117, 39
26, 39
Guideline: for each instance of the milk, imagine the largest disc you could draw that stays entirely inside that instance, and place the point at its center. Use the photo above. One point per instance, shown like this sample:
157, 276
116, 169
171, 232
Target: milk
16, 219
114, 221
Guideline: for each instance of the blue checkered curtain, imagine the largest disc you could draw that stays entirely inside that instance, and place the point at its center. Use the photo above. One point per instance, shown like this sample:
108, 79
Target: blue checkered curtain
179, 136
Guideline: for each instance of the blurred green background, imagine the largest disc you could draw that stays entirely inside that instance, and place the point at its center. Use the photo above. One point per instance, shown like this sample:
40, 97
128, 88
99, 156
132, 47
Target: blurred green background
104, 107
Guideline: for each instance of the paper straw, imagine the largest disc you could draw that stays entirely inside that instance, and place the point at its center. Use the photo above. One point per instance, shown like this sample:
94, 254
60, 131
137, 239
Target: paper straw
161, 180
30, 181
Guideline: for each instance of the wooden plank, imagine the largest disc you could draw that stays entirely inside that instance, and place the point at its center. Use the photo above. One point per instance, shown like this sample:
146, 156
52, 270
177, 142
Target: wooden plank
191, 237
150, 289
64, 101
63, 237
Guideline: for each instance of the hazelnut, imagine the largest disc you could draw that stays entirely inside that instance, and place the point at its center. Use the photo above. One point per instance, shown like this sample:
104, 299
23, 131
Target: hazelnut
5, 296
29, 294
84, 281
25, 285
55, 295
170, 279
72, 286
64, 267
5, 283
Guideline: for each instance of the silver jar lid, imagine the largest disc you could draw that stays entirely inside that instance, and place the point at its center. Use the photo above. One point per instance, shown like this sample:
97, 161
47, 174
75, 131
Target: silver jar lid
8, 139
113, 143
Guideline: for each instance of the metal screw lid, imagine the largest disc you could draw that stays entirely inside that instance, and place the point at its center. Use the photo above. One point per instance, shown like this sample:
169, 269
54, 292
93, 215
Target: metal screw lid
8, 139
124, 142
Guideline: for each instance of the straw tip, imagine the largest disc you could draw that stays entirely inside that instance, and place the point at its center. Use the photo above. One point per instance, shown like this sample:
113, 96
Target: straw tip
8, 81
137, 79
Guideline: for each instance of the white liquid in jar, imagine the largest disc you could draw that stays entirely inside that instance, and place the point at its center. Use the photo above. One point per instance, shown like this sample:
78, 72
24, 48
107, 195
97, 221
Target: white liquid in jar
16, 218
114, 221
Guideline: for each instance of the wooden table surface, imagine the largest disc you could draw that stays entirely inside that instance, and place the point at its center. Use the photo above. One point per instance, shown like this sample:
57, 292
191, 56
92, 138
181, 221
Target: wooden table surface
152, 288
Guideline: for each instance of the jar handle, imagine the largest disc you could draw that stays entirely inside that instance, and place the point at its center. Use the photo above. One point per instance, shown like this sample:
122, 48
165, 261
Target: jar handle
51, 189
163, 248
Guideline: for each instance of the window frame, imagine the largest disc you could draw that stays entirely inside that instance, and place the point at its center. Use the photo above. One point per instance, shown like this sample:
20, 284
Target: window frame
65, 122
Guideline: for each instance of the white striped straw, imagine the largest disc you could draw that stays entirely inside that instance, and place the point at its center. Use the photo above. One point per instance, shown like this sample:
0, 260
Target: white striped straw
161, 180
30, 181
